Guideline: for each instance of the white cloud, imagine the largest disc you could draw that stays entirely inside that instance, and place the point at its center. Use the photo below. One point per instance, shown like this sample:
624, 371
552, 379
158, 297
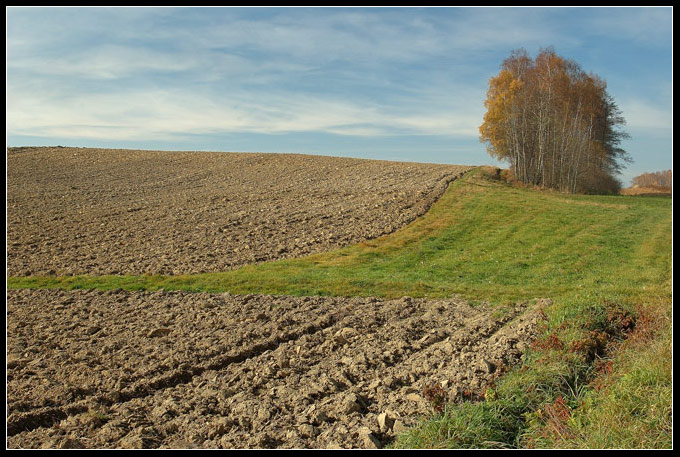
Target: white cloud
641, 114
103, 62
140, 115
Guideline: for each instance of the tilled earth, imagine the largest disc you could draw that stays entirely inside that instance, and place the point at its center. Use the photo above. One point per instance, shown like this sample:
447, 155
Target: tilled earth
111, 211
119, 369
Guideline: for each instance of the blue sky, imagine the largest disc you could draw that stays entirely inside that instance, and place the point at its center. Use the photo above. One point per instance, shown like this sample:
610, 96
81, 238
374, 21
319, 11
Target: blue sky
384, 83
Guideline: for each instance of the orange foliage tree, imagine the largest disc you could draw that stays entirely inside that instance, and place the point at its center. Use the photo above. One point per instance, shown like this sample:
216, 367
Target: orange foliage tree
556, 125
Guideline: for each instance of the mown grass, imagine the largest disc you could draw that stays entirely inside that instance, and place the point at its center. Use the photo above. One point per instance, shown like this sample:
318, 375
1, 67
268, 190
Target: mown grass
485, 240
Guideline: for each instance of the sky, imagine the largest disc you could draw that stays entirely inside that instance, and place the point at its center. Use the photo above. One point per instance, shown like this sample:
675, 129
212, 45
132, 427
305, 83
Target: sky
404, 84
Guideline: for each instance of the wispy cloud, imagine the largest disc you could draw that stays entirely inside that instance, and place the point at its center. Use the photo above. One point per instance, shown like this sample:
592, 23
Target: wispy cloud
336, 73
166, 114
141, 74
642, 114
648, 25
104, 62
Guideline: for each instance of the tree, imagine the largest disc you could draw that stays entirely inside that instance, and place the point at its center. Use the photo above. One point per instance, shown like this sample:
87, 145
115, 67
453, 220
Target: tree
556, 125
657, 179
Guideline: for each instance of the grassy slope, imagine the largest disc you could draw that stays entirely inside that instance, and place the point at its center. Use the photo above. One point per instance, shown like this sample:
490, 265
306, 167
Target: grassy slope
489, 241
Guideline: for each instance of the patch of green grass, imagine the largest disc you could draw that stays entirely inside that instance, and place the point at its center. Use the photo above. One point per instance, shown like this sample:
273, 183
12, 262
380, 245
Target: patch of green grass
485, 240
628, 403
467, 425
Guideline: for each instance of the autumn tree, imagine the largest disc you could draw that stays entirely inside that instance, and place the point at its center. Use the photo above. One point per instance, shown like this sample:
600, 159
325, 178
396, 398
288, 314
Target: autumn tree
556, 125
657, 179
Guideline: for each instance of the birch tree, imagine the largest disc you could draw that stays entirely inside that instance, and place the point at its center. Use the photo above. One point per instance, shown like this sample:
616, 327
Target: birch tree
554, 124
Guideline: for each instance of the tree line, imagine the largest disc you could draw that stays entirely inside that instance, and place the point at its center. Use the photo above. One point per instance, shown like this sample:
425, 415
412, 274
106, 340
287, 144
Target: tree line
555, 124
655, 179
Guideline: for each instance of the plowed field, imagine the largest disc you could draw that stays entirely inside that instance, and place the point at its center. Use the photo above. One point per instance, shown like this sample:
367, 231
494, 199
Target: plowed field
99, 211
94, 369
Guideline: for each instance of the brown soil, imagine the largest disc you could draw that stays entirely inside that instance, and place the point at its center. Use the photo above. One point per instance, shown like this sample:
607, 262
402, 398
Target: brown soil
93, 369
102, 211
